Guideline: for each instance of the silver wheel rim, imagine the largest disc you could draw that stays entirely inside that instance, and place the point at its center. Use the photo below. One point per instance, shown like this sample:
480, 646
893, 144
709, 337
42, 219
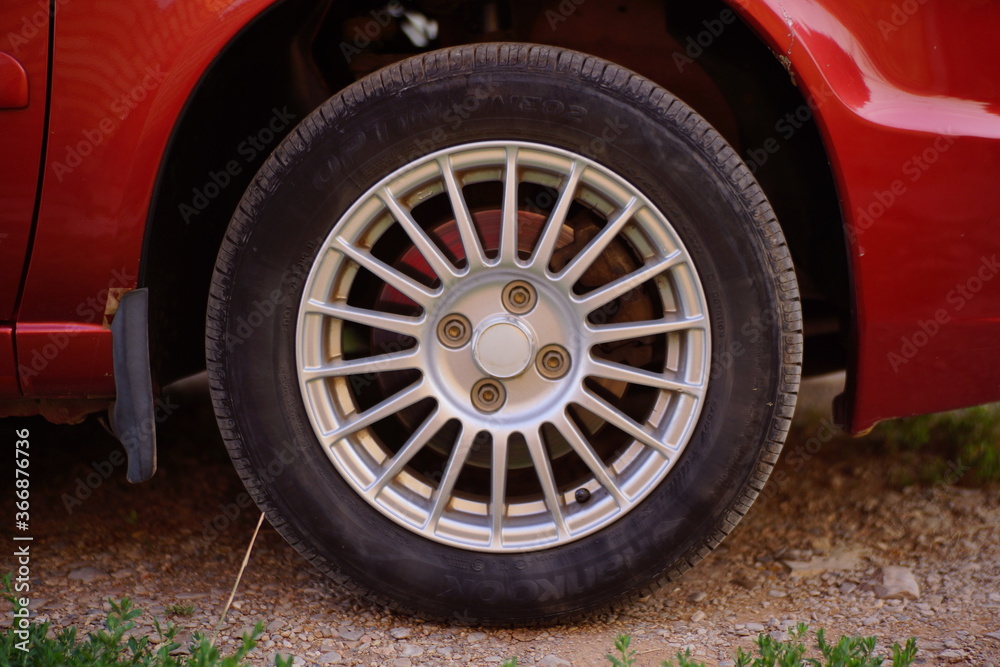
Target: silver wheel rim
503, 347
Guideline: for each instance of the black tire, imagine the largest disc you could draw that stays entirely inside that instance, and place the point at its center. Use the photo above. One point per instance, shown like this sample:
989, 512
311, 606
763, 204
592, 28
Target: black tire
506, 92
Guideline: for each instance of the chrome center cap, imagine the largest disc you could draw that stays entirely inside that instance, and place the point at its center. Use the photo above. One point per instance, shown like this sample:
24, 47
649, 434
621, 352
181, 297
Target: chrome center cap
503, 347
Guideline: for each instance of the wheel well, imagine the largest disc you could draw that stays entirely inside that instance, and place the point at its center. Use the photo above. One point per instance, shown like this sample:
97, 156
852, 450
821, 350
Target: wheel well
777, 135
298, 54
252, 95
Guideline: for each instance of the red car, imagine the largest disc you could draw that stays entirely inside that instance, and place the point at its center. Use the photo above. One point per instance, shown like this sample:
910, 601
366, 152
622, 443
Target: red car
494, 328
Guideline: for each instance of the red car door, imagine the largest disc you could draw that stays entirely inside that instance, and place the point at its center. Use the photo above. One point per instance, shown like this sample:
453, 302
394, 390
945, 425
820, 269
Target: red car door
24, 46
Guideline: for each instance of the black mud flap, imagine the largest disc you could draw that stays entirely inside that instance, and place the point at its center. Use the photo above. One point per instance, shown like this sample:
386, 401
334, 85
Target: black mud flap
132, 415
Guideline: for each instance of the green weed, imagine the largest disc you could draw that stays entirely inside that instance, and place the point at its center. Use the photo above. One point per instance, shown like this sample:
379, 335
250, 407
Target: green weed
847, 652
625, 657
966, 444
180, 609
114, 646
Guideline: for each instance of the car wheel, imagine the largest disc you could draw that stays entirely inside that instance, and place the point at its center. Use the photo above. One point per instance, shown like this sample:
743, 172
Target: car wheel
504, 333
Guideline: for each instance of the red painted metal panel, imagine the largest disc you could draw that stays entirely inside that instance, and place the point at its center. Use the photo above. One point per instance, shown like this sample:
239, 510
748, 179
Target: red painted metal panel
907, 98
25, 28
904, 93
65, 360
122, 72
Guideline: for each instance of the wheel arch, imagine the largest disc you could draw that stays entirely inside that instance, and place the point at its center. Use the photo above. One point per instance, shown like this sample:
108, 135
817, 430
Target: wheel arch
728, 59
777, 130
272, 49
258, 87
831, 328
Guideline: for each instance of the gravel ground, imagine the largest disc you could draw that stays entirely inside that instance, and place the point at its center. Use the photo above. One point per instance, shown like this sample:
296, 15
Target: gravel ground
814, 549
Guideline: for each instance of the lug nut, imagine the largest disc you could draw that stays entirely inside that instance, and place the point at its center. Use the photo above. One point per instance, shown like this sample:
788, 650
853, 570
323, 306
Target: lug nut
553, 361
519, 297
454, 331
488, 395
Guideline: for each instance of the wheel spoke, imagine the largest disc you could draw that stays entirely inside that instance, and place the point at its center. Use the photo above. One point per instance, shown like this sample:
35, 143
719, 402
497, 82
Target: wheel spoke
459, 454
432, 424
547, 243
463, 220
418, 293
408, 326
614, 332
390, 406
543, 468
622, 422
623, 373
498, 490
616, 288
508, 232
576, 268
439, 264
586, 452
380, 363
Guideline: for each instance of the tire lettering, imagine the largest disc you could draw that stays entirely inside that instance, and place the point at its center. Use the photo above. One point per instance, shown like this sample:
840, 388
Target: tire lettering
548, 107
539, 589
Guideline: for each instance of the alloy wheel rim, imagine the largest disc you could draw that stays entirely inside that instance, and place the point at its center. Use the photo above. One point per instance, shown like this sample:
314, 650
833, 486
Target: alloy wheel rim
503, 346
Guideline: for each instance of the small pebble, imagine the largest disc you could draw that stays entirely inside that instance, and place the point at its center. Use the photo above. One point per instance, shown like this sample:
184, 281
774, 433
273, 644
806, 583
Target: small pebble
552, 661
87, 574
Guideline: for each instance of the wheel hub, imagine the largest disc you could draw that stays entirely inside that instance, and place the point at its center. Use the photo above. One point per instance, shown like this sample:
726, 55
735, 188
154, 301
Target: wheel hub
503, 347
